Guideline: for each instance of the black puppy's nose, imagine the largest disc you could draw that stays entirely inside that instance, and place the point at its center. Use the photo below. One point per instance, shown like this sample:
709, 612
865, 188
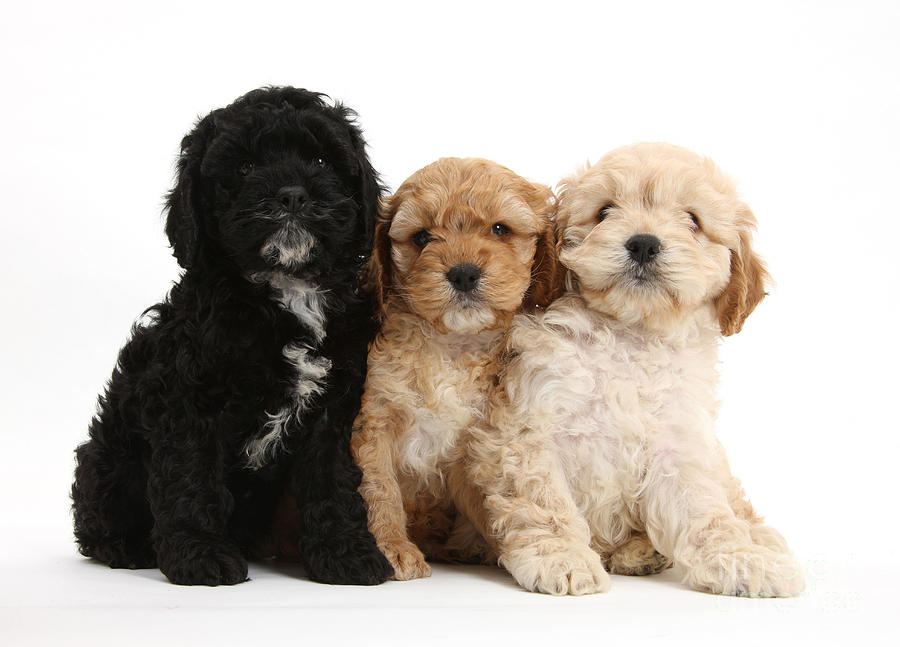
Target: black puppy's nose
464, 277
292, 197
643, 248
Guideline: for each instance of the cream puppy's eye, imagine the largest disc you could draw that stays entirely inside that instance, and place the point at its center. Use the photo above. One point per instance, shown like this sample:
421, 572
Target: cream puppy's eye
421, 238
694, 220
604, 212
499, 229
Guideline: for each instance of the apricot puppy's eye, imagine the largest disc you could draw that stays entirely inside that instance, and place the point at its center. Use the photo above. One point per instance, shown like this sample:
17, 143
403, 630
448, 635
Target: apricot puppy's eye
694, 220
604, 212
421, 238
245, 167
499, 229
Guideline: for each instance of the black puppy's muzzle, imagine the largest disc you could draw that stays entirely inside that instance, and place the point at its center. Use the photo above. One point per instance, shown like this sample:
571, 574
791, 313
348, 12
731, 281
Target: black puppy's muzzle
293, 198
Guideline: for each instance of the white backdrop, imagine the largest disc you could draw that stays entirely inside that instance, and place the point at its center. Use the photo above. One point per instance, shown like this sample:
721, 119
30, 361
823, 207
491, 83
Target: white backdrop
799, 101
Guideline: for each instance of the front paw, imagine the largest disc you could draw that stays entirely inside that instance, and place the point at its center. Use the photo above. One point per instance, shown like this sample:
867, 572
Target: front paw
187, 558
557, 568
408, 561
356, 561
751, 571
767, 536
637, 556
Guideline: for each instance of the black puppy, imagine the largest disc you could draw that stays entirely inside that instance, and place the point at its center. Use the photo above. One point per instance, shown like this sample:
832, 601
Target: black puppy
248, 377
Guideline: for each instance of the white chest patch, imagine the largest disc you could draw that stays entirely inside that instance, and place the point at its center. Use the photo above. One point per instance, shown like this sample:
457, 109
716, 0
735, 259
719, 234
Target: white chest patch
304, 299
429, 442
615, 400
307, 303
451, 400
312, 373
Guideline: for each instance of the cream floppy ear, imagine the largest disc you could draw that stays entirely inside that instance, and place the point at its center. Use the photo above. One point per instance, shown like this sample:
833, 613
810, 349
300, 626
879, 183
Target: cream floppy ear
747, 285
564, 188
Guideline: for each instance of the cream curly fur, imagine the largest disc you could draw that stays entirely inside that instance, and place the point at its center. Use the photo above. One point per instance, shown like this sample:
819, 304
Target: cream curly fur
600, 439
435, 358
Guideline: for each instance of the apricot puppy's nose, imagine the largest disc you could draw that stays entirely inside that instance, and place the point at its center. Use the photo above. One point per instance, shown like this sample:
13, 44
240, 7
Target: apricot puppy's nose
464, 278
643, 248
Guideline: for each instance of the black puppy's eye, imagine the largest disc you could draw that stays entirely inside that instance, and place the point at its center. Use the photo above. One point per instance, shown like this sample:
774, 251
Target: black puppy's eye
421, 238
499, 229
320, 161
695, 220
245, 167
604, 212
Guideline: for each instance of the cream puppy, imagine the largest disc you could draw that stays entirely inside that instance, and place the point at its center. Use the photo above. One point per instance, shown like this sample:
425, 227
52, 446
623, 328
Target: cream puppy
600, 444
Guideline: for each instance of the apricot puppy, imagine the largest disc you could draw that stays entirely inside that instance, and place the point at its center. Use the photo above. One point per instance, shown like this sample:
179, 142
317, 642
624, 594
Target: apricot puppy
459, 248
601, 436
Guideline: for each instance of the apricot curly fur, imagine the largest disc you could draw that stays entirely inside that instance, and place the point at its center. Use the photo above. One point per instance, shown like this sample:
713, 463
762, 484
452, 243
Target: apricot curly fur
435, 357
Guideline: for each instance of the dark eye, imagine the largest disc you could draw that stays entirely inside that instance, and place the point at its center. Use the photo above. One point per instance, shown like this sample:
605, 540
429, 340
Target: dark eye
421, 238
604, 212
320, 161
694, 220
245, 167
499, 229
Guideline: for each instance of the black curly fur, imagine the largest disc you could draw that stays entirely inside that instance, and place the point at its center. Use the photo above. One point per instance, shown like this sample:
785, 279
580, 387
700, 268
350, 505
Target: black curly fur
164, 478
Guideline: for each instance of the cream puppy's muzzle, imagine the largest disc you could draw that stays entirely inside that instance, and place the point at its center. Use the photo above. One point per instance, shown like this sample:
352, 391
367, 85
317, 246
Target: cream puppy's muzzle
643, 247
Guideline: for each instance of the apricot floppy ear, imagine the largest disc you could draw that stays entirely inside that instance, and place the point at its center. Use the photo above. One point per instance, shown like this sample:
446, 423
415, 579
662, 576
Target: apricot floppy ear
547, 273
747, 285
378, 275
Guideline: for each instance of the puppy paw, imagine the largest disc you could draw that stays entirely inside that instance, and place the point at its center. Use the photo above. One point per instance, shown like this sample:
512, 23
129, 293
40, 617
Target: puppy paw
571, 569
770, 538
198, 559
636, 557
752, 571
408, 561
355, 561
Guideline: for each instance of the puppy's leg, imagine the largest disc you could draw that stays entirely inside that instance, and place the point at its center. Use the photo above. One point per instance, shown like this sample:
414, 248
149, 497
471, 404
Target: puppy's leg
637, 556
444, 530
468, 546
192, 506
112, 515
542, 539
761, 534
688, 516
336, 546
372, 449
429, 523
256, 501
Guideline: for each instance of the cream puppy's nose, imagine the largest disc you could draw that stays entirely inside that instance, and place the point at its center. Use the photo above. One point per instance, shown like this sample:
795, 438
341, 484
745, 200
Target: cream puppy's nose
643, 248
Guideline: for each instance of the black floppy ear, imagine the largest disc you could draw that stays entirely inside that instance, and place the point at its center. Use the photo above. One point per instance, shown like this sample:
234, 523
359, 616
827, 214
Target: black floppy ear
183, 204
369, 187
370, 191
